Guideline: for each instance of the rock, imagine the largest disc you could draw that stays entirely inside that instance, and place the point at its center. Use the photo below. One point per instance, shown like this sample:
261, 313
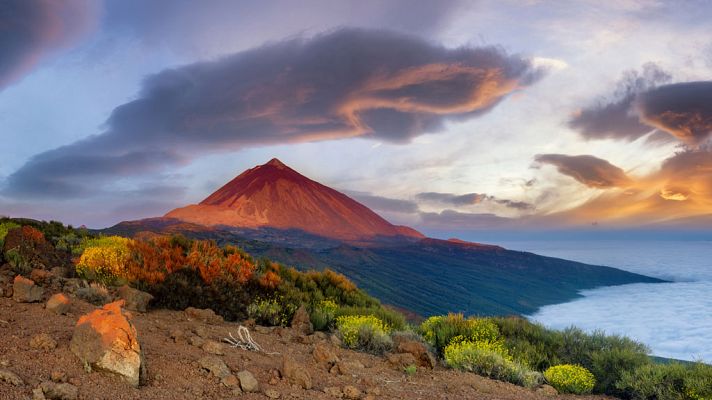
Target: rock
248, 383
60, 272
334, 391
105, 339
419, 351
207, 315
177, 335
215, 365
197, 341
10, 377
324, 353
59, 304
351, 392
335, 340
547, 390
230, 381
41, 276
401, 360
43, 341
348, 367
59, 391
94, 294
37, 394
301, 321
58, 376
272, 394
213, 347
25, 291
295, 373
135, 299
201, 331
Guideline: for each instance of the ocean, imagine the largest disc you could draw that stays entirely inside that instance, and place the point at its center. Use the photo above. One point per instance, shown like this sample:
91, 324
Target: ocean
673, 319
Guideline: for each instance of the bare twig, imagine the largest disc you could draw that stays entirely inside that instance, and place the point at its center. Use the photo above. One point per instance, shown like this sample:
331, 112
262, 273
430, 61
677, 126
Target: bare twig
244, 341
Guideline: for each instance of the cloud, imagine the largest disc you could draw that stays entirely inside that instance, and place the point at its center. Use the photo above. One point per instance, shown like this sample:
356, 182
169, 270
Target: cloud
380, 203
589, 170
471, 199
684, 110
615, 117
31, 29
454, 220
341, 84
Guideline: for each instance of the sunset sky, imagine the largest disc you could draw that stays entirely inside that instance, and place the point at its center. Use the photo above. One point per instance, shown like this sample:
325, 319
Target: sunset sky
454, 117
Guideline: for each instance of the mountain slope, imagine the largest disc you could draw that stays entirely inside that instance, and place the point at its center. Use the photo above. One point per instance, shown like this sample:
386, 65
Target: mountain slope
276, 196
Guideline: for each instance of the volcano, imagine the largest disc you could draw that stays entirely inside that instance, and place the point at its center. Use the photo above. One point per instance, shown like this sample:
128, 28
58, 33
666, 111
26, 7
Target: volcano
273, 195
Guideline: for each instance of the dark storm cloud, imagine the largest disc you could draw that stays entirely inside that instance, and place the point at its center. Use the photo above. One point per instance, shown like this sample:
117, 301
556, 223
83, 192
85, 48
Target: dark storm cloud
341, 84
684, 110
589, 170
380, 203
470, 199
29, 29
615, 117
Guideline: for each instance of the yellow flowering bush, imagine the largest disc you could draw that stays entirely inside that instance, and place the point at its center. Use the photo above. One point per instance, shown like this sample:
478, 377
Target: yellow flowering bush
439, 331
569, 378
364, 332
323, 314
105, 259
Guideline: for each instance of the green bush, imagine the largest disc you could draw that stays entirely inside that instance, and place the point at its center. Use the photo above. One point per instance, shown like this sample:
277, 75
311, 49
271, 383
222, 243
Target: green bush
395, 320
672, 381
323, 315
569, 378
490, 360
272, 312
364, 332
4, 228
529, 343
440, 330
410, 370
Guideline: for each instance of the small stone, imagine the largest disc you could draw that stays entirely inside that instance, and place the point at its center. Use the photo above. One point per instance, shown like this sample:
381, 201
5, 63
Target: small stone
25, 291
58, 376
213, 347
58, 304
418, 350
335, 340
75, 381
334, 391
324, 353
301, 321
135, 299
215, 365
348, 367
203, 315
272, 394
295, 373
10, 377
230, 381
59, 391
547, 390
197, 341
369, 397
248, 383
38, 394
351, 392
43, 341
401, 360
201, 331
177, 335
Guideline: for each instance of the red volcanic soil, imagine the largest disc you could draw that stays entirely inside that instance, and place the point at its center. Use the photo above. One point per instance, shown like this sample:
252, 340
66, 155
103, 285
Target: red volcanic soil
274, 195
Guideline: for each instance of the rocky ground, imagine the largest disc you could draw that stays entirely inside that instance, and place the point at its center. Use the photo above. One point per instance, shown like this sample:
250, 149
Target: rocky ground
185, 358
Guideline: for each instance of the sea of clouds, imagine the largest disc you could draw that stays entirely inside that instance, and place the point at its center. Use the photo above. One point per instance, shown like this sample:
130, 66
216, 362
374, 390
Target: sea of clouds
674, 319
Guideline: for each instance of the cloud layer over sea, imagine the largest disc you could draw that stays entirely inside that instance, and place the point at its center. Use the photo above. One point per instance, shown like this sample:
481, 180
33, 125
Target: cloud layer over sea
672, 318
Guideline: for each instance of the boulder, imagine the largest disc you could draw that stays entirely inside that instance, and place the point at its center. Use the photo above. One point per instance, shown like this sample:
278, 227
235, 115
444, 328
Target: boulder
58, 304
135, 299
301, 321
325, 353
105, 340
295, 373
207, 315
215, 365
248, 383
419, 351
25, 291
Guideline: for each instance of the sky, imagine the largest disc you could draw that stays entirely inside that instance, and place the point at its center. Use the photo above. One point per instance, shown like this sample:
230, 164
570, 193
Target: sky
459, 118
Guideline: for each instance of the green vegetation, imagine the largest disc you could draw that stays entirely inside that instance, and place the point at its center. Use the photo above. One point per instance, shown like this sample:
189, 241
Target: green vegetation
182, 272
569, 378
410, 370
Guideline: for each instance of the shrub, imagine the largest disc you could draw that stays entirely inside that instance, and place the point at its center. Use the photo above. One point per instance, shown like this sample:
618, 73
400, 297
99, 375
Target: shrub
4, 228
569, 378
487, 359
96, 294
410, 370
364, 332
323, 314
272, 312
25, 248
393, 319
530, 344
440, 330
105, 260
667, 382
